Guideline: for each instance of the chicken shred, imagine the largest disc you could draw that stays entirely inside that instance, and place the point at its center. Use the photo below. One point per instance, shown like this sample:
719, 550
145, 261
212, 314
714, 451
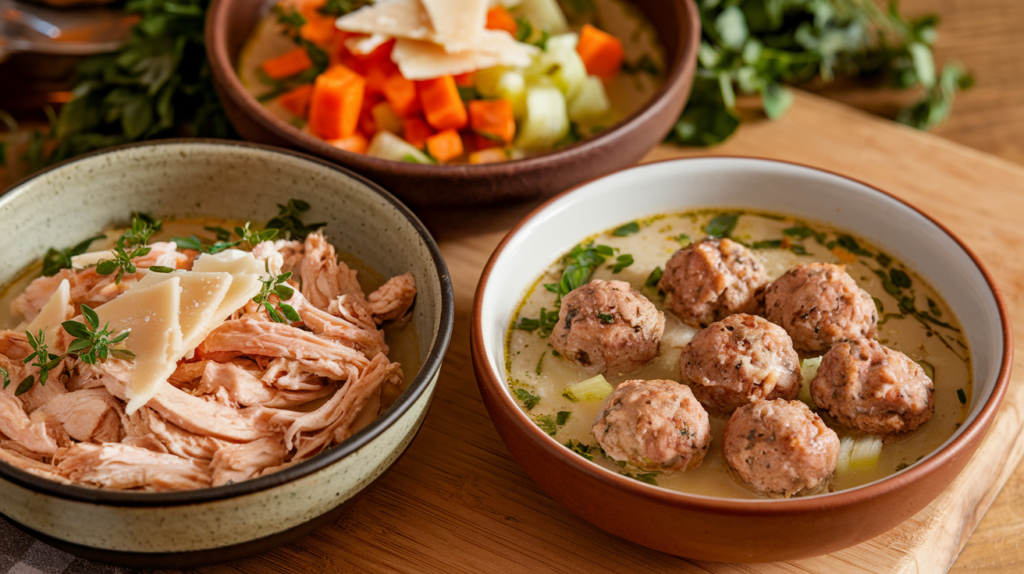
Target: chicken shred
256, 396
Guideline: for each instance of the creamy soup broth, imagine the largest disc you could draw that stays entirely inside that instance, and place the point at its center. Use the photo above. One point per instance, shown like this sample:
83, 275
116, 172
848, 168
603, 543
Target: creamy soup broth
932, 337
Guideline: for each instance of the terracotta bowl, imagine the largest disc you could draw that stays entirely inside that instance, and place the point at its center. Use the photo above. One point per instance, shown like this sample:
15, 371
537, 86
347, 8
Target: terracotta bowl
230, 22
732, 530
189, 178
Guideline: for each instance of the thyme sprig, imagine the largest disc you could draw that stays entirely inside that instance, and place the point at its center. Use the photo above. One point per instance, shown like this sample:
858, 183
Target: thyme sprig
57, 259
277, 286
90, 345
132, 244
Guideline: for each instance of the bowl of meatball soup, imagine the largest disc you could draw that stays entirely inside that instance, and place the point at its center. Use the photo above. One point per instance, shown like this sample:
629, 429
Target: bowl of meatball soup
712, 357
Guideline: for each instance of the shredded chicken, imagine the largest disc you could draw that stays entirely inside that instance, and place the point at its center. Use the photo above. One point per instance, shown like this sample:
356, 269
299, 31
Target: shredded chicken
255, 397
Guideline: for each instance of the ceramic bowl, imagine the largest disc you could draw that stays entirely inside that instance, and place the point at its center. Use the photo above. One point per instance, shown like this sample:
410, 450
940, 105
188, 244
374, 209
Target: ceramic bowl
230, 22
189, 178
733, 530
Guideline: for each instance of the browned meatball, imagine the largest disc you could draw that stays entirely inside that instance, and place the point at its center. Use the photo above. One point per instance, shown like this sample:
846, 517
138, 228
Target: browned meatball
653, 425
740, 359
870, 387
780, 448
608, 326
711, 280
819, 304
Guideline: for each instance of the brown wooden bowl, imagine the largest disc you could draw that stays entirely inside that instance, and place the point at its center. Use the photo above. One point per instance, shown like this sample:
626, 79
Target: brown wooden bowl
724, 529
230, 22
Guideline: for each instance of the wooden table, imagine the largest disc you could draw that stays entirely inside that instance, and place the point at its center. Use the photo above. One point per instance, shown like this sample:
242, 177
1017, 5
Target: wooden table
458, 502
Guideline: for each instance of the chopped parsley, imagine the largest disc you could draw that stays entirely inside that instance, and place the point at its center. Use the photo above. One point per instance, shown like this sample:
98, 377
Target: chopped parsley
627, 229
722, 225
621, 262
529, 399
654, 277
581, 449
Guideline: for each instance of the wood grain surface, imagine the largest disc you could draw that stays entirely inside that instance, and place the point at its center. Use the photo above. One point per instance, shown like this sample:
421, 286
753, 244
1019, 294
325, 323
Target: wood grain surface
458, 502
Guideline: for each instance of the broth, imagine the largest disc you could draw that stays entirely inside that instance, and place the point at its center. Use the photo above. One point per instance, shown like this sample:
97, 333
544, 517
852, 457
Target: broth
930, 335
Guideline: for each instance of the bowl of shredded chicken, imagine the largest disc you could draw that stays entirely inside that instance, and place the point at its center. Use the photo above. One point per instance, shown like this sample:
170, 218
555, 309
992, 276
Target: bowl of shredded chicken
207, 349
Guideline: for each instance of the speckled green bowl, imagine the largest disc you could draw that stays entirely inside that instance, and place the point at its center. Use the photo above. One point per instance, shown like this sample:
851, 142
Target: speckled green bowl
190, 178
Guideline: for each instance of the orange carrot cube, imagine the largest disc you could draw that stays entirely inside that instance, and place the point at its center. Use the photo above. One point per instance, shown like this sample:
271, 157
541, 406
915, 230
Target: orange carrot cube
441, 103
464, 80
287, 64
297, 101
336, 103
355, 143
498, 18
601, 52
493, 119
445, 146
416, 131
401, 94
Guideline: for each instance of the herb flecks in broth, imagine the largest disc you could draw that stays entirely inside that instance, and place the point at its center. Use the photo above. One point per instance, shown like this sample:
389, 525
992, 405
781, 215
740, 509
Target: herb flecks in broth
913, 319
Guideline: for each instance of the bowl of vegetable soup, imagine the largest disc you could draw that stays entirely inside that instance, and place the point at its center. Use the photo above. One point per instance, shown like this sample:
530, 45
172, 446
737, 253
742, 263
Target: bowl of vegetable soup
743, 354
470, 103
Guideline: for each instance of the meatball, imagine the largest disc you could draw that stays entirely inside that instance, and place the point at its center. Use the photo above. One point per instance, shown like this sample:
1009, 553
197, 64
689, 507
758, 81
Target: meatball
710, 280
780, 448
738, 360
608, 326
653, 425
870, 387
819, 304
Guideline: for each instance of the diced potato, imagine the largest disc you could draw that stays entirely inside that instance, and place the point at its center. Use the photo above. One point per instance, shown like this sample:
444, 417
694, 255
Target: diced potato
547, 120
512, 86
590, 102
387, 145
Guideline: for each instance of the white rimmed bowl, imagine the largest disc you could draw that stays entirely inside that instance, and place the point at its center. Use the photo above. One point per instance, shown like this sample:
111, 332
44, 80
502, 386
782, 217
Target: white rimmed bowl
205, 178
720, 529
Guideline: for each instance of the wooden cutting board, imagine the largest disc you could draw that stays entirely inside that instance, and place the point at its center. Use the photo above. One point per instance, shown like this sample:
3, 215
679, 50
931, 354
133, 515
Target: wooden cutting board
457, 502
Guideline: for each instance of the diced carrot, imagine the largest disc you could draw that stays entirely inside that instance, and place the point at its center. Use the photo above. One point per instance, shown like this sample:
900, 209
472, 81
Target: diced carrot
416, 131
493, 119
493, 155
601, 52
441, 103
336, 103
319, 30
401, 94
355, 143
445, 145
375, 79
481, 143
287, 64
297, 101
498, 18
367, 125
464, 80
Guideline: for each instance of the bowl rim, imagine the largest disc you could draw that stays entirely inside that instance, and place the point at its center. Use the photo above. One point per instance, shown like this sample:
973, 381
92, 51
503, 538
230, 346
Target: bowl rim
429, 369
224, 73
973, 432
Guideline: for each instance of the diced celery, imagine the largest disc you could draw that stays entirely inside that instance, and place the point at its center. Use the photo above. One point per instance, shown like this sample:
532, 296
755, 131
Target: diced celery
544, 15
858, 453
562, 42
592, 389
547, 120
512, 86
486, 81
387, 145
808, 369
386, 118
590, 102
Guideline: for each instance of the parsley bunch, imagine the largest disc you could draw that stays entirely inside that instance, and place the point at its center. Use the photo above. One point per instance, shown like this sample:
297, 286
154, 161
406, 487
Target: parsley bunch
756, 46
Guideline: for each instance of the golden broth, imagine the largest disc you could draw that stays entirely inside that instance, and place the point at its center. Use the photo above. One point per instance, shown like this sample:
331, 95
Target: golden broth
931, 336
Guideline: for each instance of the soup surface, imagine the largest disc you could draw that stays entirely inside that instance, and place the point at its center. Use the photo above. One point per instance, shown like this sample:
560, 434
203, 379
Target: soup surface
913, 319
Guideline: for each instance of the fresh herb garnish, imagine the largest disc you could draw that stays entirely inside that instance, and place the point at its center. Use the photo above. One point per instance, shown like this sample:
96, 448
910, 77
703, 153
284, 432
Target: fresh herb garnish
654, 277
683, 239
132, 244
93, 344
547, 424
289, 220
899, 278
41, 358
55, 260
580, 449
960, 394
523, 29
562, 417
883, 259
850, 244
621, 262
540, 363
722, 225
529, 399
756, 46
606, 318
279, 288
342, 7
647, 477
627, 229
767, 244
579, 266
